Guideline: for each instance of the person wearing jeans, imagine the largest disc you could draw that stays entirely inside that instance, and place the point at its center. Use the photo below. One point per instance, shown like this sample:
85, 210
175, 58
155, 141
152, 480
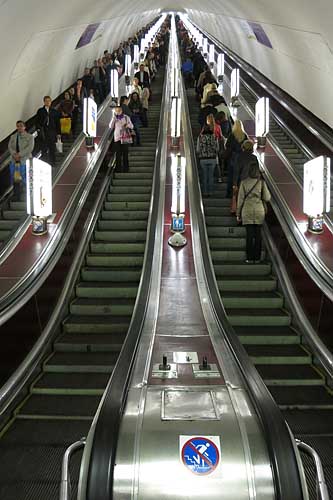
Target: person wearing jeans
207, 149
208, 168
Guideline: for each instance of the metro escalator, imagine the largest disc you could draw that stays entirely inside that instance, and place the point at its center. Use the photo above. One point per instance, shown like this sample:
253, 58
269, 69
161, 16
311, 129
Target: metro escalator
260, 315
64, 397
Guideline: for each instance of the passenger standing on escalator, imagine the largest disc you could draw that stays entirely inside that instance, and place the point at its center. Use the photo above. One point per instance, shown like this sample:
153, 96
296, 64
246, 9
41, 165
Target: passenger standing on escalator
136, 115
123, 127
233, 150
207, 149
48, 126
20, 146
251, 210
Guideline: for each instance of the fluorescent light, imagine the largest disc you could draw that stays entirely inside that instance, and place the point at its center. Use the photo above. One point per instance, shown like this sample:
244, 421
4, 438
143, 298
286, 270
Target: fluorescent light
212, 53
136, 57
89, 117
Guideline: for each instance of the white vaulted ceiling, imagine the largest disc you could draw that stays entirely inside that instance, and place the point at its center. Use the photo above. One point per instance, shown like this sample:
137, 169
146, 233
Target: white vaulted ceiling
38, 40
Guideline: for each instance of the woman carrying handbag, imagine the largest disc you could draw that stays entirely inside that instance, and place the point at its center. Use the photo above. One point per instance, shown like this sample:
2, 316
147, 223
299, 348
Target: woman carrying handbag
123, 127
252, 196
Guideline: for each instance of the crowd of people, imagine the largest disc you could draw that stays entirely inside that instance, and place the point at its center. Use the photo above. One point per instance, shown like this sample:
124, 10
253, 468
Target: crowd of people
223, 147
56, 123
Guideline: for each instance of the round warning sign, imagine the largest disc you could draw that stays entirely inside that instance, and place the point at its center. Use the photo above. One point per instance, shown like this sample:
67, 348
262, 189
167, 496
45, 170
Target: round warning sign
200, 455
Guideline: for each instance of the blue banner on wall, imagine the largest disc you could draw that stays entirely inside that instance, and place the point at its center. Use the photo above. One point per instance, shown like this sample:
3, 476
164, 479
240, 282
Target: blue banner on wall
260, 34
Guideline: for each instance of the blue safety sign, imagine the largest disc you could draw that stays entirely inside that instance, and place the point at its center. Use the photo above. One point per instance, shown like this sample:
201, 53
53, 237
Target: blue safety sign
178, 224
200, 455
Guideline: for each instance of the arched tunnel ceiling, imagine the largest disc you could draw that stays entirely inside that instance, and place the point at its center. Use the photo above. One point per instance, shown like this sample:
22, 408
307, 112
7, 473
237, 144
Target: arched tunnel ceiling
38, 40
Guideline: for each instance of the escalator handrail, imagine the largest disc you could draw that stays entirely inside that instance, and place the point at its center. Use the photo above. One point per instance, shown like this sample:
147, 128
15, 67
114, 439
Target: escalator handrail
25, 288
102, 440
287, 481
19, 378
312, 125
323, 355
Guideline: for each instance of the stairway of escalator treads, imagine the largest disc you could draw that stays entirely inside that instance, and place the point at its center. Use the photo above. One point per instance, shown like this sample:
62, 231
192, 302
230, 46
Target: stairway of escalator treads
64, 398
257, 310
15, 211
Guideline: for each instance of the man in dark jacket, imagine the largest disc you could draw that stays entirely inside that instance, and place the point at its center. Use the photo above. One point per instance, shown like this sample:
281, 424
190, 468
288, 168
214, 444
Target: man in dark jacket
143, 77
48, 126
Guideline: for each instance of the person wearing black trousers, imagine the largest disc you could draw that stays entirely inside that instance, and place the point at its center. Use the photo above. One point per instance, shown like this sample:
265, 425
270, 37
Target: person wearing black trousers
48, 126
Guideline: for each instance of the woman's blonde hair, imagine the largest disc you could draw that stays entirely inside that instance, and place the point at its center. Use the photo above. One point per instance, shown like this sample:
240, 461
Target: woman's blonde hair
210, 121
238, 131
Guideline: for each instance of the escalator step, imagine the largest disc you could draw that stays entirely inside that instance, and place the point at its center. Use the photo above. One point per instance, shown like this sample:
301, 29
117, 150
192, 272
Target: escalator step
273, 335
127, 205
313, 422
222, 243
234, 269
65, 406
50, 432
120, 236
125, 215
290, 375
130, 189
71, 383
96, 324
106, 290
76, 362
302, 397
118, 225
278, 354
104, 274
127, 261
251, 300
247, 284
109, 248
129, 197
91, 341
90, 307
259, 317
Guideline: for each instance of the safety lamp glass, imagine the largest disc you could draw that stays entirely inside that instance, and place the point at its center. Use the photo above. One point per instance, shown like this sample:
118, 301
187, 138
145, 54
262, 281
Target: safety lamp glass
39, 188
175, 117
316, 186
235, 83
262, 117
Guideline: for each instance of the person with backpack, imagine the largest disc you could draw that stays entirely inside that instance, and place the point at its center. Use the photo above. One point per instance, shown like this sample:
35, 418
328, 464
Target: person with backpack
251, 210
207, 149
215, 127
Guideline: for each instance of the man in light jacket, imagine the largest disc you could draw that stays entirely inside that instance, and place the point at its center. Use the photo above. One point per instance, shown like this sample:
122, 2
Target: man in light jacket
20, 146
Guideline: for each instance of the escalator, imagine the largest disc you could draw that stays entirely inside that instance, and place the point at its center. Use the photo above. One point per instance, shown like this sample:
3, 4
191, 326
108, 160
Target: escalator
258, 311
13, 213
64, 397
291, 148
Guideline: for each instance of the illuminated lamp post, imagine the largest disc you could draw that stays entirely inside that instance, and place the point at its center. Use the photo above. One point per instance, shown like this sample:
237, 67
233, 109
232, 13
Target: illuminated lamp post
178, 164
39, 194
262, 121
235, 88
316, 192
136, 56
211, 56
128, 67
114, 86
175, 120
220, 68
89, 120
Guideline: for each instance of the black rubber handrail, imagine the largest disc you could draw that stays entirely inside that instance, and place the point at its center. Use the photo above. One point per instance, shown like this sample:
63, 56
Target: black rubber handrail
106, 433
285, 467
